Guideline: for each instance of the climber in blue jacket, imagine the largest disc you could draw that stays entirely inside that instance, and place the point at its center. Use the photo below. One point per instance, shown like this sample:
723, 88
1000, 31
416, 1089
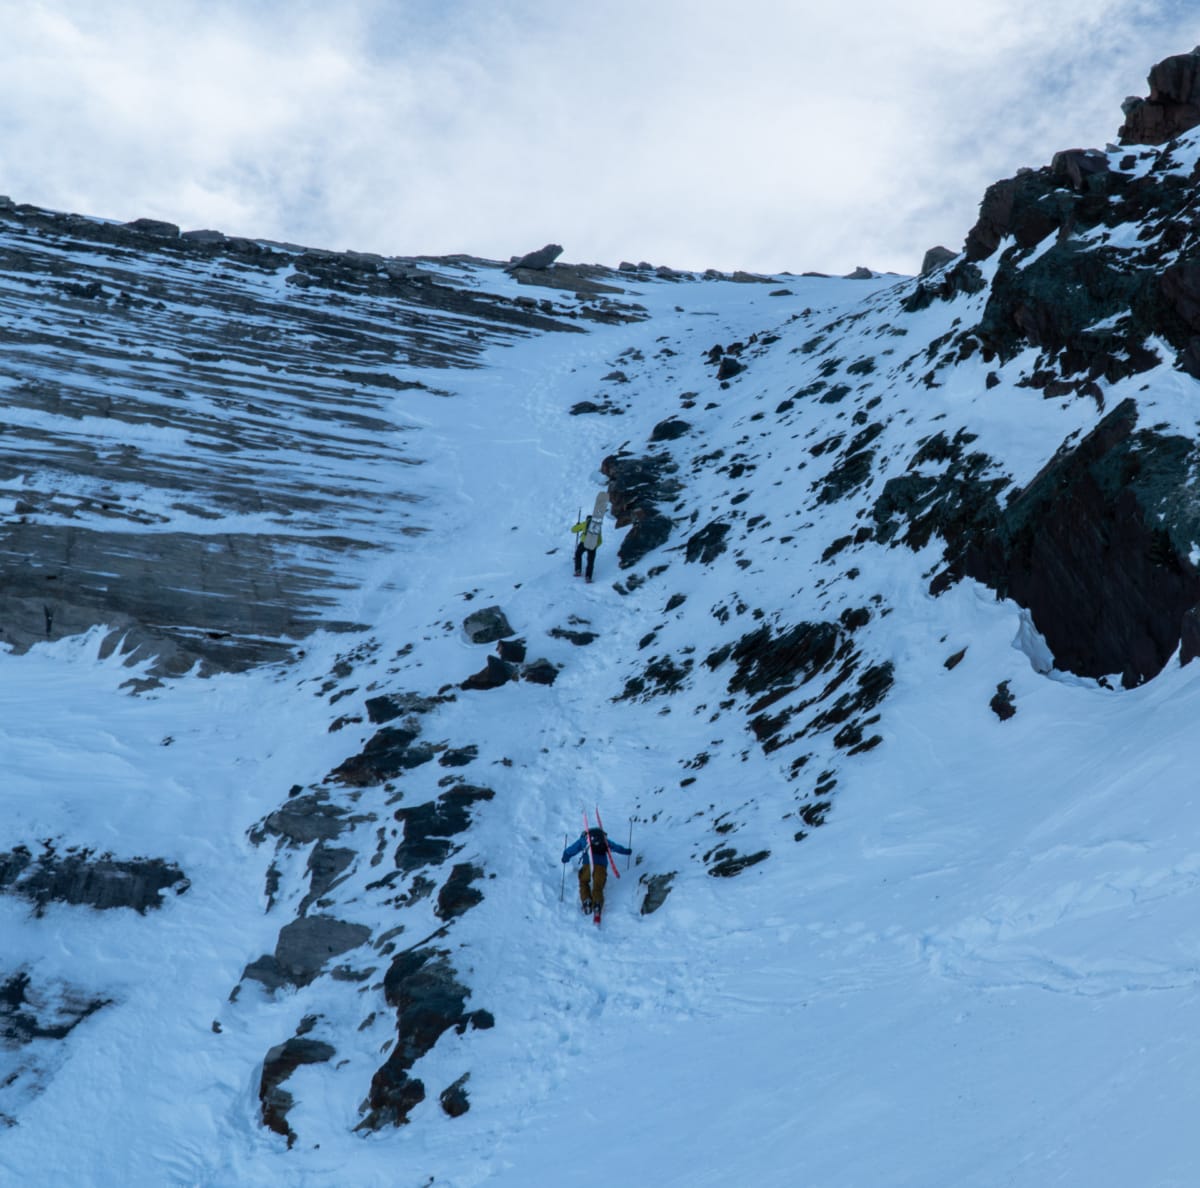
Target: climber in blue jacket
594, 874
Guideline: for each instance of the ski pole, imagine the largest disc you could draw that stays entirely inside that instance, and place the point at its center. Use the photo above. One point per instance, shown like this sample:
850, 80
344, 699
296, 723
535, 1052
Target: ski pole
563, 885
630, 858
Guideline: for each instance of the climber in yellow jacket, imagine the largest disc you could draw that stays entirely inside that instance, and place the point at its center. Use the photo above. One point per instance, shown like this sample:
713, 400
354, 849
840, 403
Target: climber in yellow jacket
588, 532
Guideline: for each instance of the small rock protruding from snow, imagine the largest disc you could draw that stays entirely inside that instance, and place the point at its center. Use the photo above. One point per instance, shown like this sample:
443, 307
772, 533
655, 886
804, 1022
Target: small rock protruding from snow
487, 625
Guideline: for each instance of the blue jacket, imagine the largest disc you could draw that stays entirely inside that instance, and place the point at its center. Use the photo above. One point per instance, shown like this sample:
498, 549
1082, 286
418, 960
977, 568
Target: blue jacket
600, 857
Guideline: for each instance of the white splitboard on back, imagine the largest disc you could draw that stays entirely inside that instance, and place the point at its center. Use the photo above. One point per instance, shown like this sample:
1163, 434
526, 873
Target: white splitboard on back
591, 536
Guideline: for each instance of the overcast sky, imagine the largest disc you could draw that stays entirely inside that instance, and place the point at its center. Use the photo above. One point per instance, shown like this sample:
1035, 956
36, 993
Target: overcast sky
769, 135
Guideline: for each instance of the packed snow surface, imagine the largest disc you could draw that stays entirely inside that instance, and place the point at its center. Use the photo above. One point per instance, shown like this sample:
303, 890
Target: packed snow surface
983, 970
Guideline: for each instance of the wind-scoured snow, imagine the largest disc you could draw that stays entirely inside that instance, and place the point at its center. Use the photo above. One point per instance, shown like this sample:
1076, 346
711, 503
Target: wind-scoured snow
980, 970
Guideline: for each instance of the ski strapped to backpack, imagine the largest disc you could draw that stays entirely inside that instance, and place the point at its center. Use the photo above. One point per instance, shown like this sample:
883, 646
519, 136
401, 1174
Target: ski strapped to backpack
587, 829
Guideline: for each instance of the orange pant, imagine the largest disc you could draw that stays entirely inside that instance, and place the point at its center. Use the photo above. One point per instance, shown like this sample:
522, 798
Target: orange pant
591, 884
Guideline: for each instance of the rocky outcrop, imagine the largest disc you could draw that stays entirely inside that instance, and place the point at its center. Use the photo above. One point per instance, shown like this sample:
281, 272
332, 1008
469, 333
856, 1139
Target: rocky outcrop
509, 665
304, 948
34, 1010
1173, 105
82, 877
495, 673
389, 706
159, 227
320, 943
708, 544
430, 827
455, 1099
305, 818
636, 488
935, 258
487, 625
1096, 304
279, 1064
389, 751
539, 260
230, 601
459, 894
658, 887
772, 668
155, 381
1097, 548
429, 1000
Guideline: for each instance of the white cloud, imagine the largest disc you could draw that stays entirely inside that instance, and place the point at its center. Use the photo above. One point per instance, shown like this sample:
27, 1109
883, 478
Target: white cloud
765, 134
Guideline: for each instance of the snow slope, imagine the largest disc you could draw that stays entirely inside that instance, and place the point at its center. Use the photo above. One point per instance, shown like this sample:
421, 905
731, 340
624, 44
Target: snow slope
979, 971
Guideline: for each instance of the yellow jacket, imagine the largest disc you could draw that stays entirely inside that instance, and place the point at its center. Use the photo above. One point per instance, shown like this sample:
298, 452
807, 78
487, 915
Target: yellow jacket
592, 538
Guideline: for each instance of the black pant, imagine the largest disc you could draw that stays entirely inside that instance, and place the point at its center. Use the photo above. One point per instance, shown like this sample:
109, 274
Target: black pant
591, 559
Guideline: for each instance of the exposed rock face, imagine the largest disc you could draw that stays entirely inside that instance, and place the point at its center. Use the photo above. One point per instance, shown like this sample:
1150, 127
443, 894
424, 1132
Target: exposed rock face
29, 1012
305, 946
305, 819
81, 877
154, 227
773, 666
237, 595
1173, 105
487, 625
391, 750
455, 1100
32, 1011
1098, 546
1010, 207
658, 887
636, 487
189, 345
542, 259
429, 1000
1092, 308
493, 675
708, 544
1087, 547
426, 990
279, 1064
429, 827
935, 258
459, 894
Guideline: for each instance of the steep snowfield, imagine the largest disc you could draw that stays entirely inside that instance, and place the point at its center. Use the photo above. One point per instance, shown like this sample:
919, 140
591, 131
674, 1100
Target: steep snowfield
981, 970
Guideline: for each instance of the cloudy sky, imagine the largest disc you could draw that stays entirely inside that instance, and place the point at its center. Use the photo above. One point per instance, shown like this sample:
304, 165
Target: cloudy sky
762, 134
